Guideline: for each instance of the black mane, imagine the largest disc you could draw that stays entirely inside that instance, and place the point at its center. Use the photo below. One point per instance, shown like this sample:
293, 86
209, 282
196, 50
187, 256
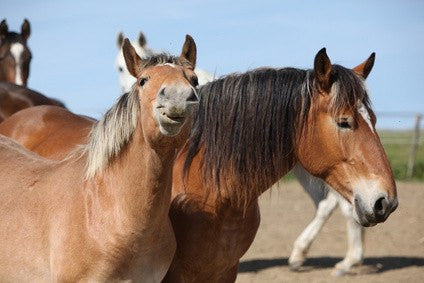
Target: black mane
247, 124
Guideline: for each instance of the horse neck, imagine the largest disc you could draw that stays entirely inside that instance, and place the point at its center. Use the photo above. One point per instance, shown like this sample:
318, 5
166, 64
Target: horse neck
195, 188
138, 184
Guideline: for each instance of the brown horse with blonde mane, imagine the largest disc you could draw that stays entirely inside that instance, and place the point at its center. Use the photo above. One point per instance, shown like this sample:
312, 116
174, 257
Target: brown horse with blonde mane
249, 131
101, 214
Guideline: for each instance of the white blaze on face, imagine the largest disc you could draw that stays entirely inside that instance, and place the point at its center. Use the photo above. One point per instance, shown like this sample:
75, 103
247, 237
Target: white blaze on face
16, 49
365, 115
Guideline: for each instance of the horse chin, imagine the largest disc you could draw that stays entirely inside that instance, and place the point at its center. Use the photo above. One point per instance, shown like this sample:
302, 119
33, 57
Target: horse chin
170, 127
169, 131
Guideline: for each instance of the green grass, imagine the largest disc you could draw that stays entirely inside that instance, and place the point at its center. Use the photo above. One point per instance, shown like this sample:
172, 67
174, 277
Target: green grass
398, 154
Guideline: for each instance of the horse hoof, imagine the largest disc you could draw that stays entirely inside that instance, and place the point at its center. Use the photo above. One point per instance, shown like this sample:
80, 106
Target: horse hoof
339, 272
295, 266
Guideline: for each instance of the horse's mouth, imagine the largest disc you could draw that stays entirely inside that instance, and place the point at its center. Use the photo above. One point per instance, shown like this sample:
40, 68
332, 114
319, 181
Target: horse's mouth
173, 119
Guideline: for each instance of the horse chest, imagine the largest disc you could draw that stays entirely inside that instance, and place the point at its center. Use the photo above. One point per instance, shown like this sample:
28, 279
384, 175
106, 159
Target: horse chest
210, 247
236, 234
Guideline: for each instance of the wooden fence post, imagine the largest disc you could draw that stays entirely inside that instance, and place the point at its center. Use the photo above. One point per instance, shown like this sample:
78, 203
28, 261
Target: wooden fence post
414, 147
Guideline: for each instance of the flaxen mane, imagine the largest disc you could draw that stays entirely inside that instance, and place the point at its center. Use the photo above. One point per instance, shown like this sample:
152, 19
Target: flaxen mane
113, 132
247, 124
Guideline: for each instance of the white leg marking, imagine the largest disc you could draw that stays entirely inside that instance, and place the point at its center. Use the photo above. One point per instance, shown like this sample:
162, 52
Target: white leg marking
304, 241
355, 233
16, 49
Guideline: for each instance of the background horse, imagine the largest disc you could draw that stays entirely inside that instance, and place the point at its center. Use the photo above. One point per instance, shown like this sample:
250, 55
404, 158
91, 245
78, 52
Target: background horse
126, 80
15, 56
50, 131
249, 131
102, 213
326, 200
14, 98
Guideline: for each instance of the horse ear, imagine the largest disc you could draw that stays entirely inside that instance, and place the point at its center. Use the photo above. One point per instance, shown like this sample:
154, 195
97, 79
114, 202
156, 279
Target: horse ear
142, 39
132, 60
120, 39
25, 29
365, 68
189, 51
3, 29
322, 69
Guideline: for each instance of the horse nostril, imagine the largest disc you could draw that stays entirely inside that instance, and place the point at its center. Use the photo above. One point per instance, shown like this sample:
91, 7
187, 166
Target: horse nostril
380, 206
192, 97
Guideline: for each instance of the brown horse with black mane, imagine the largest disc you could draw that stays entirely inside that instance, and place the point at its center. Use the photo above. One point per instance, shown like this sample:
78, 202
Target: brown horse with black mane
15, 58
101, 214
249, 131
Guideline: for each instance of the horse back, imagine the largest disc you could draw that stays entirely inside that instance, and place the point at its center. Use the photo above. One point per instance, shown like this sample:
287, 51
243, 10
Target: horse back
50, 131
14, 98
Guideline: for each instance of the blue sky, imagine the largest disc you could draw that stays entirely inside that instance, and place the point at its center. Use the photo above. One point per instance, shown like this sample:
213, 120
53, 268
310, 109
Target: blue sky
74, 42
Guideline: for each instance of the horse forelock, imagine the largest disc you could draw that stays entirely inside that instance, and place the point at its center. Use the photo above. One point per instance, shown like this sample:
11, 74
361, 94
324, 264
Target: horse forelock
348, 91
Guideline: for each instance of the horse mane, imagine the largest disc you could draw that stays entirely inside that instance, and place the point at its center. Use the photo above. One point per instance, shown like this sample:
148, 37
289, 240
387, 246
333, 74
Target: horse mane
247, 125
114, 130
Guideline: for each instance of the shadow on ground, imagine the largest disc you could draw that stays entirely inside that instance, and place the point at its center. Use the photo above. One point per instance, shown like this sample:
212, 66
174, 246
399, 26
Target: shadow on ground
382, 264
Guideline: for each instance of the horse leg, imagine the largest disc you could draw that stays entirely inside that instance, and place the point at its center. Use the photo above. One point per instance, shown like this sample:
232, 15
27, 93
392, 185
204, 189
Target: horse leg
355, 236
304, 241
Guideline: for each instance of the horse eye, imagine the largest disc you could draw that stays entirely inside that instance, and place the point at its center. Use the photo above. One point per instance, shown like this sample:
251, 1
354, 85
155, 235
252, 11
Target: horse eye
344, 125
344, 122
120, 69
142, 81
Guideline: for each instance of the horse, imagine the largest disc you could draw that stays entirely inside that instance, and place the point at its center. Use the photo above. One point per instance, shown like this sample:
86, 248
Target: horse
101, 214
14, 98
203, 219
50, 131
249, 131
126, 80
15, 56
326, 200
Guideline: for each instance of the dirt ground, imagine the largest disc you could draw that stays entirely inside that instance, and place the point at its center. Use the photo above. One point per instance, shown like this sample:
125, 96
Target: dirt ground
394, 250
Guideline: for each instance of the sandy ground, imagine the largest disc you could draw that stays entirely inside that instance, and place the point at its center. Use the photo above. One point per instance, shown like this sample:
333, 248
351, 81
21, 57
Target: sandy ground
394, 250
